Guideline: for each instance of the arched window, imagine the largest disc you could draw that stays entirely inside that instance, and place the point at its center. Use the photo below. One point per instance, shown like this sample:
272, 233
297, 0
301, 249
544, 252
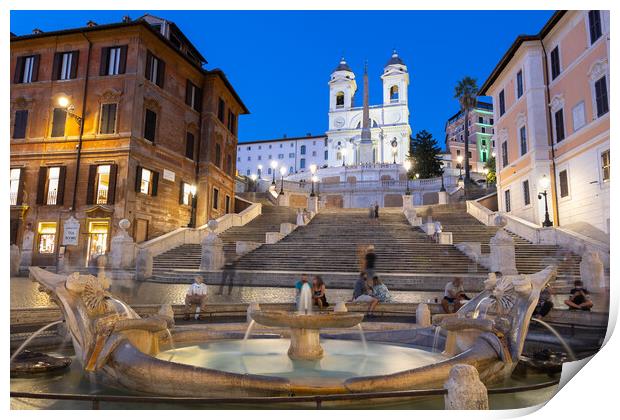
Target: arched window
394, 94
303, 150
340, 100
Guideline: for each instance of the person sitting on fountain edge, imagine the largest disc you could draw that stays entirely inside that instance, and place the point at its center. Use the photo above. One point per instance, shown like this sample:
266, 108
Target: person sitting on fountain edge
579, 298
545, 304
196, 296
318, 292
299, 285
453, 295
363, 294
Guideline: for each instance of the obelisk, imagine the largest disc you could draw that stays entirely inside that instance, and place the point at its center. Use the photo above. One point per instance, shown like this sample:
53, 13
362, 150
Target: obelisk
366, 152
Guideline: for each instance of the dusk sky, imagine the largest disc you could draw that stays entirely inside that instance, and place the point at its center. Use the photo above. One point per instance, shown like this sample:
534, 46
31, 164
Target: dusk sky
280, 62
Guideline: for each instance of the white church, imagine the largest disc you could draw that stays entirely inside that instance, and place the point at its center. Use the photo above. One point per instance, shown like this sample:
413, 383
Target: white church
356, 135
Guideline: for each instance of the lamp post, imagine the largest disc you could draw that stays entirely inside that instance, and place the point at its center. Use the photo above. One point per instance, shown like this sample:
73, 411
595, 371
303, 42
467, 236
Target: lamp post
313, 171
260, 171
274, 166
459, 159
407, 165
64, 102
282, 173
192, 218
443, 187
343, 152
544, 184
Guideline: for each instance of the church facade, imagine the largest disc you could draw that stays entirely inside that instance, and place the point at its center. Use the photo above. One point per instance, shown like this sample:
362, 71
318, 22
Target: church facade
388, 128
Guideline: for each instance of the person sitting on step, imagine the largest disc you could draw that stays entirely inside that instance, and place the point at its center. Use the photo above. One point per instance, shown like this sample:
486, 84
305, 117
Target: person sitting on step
579, 298
380, 290
196, 297
545, 304
363, 294
453, 295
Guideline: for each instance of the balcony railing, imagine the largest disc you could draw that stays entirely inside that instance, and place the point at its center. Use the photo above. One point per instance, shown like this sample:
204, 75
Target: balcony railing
51, 197
13, 198
388, 185
102, 196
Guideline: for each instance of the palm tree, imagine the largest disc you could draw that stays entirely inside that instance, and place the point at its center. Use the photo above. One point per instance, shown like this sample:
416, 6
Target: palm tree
466, 91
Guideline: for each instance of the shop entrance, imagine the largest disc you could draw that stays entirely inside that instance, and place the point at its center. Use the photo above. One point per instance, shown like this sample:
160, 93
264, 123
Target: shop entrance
98, 231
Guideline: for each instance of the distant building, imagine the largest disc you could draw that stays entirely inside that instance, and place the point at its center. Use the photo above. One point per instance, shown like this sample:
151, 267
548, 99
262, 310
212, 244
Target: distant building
480, 137
296, 154
110, 122
551, 103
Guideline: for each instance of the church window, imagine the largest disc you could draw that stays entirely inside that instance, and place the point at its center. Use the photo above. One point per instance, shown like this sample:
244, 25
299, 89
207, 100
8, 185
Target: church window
394, 94
302, 163
303, 150
326, 154
340, 100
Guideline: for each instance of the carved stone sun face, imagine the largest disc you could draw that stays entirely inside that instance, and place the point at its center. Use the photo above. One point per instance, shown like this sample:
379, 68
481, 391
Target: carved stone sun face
504, 295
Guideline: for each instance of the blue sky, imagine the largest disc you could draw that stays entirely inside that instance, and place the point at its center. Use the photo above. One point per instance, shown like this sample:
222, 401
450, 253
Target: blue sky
279, 62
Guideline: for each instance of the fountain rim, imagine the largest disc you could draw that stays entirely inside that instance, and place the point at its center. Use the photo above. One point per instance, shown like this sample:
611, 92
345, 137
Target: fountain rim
314, 320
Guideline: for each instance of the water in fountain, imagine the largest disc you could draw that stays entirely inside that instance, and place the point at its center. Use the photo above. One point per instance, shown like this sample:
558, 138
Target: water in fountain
305, 300
171, 342
363, 338
436, 339
482, 307
553, 331
33, 336
247, 335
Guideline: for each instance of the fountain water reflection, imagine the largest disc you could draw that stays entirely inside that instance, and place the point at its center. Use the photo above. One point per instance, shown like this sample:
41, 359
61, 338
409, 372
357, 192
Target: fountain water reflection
563, 342
436, 339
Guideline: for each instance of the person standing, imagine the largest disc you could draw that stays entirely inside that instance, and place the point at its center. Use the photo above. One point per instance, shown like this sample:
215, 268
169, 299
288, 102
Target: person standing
228, 275
377, 210
196, 296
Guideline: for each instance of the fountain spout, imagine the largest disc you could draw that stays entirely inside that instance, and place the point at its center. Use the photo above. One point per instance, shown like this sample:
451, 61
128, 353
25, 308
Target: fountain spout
304, 306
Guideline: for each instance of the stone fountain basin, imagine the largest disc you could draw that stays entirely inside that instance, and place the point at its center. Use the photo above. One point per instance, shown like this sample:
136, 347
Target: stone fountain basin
313, 321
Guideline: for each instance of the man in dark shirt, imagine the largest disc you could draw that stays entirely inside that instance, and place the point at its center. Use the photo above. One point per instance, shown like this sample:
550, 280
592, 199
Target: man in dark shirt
371, 258
579, 298
362, 294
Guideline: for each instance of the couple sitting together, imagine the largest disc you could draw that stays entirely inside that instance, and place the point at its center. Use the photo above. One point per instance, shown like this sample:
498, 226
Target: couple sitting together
363, 292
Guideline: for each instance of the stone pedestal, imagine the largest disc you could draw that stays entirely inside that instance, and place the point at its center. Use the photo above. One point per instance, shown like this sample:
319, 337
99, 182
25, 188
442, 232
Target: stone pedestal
502, 256
144, 265
340, 307
282, 199
243, 247
122, 248
305, 344
423, 315
465, 390
313, 204
445, 238
408, 203
286, 228
212, 250
592, 271
15, 257
273, 237
442, 197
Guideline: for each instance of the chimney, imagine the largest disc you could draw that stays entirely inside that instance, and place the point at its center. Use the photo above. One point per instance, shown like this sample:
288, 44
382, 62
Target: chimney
126, 19
91, 23
37, 31
308, 134
284, 136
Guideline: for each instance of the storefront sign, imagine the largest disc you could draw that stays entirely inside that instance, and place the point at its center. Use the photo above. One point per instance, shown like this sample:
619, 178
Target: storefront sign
168, 175
70, 231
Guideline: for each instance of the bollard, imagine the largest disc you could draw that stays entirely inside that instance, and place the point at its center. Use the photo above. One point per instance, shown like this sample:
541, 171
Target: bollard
340, 307
465, 391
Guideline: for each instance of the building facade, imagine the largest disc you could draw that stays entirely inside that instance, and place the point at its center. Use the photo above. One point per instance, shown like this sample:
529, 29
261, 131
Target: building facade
480, 137
112, 122
389, 122
295, 154
551, 103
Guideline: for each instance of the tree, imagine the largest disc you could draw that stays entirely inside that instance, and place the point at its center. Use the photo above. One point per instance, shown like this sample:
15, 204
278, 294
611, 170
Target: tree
425, 155
466, 92
490, 165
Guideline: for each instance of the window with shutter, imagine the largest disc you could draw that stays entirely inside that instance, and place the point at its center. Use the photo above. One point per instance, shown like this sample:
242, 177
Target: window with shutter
15, 185
216, 198
555, 63
27, 69
523, 139
218, 155
559, 125
221, 108
59, 120
53, 184
507, 200
21, 121
502, 104
504, 154
605, 165
65, 65
189, 146
155, 69
193, 96
602, 101
526, 192
563, 184
227, 204
107, 123
150, 125
596, 29
113, 60
519, 84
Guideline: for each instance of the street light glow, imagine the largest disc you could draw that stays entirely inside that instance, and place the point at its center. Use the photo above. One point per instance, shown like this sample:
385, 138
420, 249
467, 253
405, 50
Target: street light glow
253, 177
63, 101
274, 164
282, 170
192, 189
459, 159
544, 183
315, 178
407, 165
313, 168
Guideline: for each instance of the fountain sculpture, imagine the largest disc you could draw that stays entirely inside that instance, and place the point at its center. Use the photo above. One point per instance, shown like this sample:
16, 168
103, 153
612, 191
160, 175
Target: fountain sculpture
118, 347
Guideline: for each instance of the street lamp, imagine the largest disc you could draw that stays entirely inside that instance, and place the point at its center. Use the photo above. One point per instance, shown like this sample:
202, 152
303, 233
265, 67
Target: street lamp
274, 166
260, 171
544, 185
443, 187
192, 218
282, 173
313, 171
459, 159
64, 102
407, 165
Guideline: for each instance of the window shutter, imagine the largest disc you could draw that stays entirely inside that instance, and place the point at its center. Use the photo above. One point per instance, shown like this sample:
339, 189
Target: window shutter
103, 64
20, 189
189, 146
35, 67
161, 73
138, 176
19, 70
41, 185
21, 120
181, 193
75, 58
149, 64
56, 66
90, 188
112, 186
198, 106
154, 181
122, 65
61, 186
188, 93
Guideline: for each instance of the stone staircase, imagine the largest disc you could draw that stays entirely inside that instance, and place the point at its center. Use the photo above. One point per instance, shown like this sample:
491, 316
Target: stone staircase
329, 243
257, 197
530, 258
188, 256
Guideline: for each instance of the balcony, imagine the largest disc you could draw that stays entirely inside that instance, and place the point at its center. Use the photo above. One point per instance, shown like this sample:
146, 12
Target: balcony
102, 196
52, 196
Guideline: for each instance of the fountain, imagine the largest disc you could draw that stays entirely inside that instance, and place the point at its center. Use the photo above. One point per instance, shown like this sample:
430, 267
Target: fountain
117, 347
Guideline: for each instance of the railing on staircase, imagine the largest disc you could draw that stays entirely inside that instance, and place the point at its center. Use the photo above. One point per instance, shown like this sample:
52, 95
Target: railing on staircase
185, 235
